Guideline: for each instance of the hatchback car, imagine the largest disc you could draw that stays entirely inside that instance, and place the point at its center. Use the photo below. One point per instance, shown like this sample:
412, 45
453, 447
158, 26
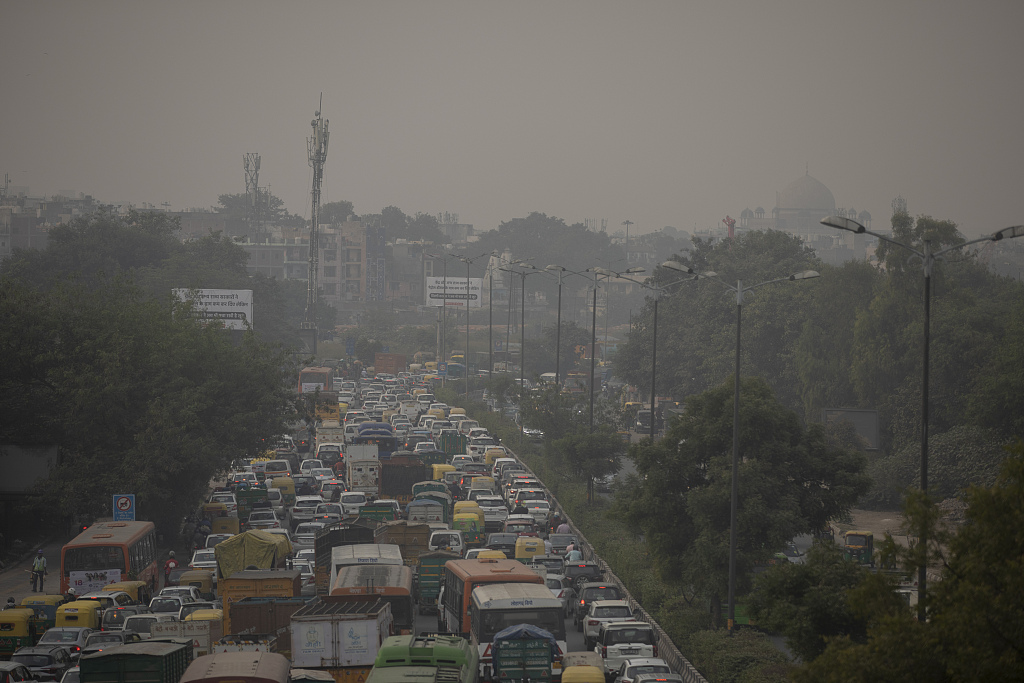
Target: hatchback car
70, 637
506, 543
203, 558
352, 502
588, 593
143, 623
263, 519
303, 509
229, 500
45, 662
327, 513
113, 618
213, 539
561, 588
307, 465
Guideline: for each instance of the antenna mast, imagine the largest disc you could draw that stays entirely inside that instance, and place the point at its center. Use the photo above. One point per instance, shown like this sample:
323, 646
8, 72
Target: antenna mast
316, 145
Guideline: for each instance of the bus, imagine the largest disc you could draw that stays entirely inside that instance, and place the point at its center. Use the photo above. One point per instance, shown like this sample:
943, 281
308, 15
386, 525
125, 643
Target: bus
313, 379
108, 552
383, 437
462, 576
237, 667
425, 659
498, 606
390, 582
363, 553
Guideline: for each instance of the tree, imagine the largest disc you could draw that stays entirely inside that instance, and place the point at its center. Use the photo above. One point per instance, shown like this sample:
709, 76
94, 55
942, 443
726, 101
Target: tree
552, 411
791, 480
592, 455
337, 212
975, 613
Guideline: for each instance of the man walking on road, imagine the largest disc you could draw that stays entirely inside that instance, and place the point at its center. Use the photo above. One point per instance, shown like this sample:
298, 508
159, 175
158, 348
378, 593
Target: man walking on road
38, 571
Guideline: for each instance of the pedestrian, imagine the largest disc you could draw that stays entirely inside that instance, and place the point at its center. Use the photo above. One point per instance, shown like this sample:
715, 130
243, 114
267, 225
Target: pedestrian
38, 571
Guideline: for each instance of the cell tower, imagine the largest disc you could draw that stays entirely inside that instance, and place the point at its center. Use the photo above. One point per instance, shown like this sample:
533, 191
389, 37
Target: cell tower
251, 162
316, 146
899, 205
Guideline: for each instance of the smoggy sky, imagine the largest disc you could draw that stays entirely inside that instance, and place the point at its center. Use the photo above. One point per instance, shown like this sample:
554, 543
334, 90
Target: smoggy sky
661, 113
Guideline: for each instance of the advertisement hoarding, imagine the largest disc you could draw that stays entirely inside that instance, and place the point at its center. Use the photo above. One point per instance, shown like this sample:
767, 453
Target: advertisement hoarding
453, 292
233, 307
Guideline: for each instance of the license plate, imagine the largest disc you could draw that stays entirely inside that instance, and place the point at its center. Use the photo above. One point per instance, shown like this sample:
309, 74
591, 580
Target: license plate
630, 650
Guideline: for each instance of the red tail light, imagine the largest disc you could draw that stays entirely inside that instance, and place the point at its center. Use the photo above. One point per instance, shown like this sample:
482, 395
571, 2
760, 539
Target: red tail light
655, 650
604, 651
592, 622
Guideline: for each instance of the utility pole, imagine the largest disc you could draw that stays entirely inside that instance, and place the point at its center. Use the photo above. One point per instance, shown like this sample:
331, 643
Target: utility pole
316, 146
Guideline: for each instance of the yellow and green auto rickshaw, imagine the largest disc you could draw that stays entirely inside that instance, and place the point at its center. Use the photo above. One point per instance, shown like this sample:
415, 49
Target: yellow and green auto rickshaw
139, 590
224, 525
527, 547
17, 629
45, 608
472, 531
80, 613
202, 579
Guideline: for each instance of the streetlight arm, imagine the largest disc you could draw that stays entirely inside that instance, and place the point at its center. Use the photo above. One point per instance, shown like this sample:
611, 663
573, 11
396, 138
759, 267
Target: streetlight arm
853, 226
1005, 233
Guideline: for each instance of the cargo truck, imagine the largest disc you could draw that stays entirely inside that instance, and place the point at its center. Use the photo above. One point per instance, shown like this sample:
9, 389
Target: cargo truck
342, 638
398, 474
410, 537
333, 536
260, 549
390, 363
330, 431
362, 469
203, 634
262, 623
137, 662
254, 583
426, 659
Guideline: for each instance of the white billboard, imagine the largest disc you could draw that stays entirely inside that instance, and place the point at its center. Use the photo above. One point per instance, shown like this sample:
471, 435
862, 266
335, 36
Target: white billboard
453, 293
233, 307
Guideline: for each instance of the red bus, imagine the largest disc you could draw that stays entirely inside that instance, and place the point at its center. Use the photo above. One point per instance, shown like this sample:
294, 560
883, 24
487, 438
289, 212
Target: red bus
316, 379
108, 552
462, 576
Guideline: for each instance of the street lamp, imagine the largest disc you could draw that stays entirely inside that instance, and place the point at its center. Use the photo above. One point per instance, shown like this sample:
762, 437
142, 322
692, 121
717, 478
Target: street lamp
468, 260
443, 315
928, 258
739, 289
558, 330
524, 270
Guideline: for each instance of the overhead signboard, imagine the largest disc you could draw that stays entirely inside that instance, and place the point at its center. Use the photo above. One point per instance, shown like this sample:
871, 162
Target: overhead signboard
452, 292
233, 307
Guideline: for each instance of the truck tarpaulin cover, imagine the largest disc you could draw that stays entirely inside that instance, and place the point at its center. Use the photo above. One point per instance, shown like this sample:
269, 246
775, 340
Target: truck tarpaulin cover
260, 549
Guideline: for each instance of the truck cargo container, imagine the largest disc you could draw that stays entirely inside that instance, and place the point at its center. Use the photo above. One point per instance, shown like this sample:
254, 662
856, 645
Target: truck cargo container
238, 667
362, 468
335, 536
430, 568
203, 634
265, 618
137, 662
254, 583
426, 659
390, 363
399, 473
341, 637
411, 538
255, 548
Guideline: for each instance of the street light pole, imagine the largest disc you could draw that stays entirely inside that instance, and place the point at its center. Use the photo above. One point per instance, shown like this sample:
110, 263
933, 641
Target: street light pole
928, 258
522, 334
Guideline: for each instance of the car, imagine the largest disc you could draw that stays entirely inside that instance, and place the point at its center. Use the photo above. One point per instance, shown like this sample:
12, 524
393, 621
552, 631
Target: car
424, 446
479, 445
588, 593
304, 508
305, 485
242, 479
322, 474
504, 542
195, 607
551, 564
471, 553
533, 433
352, 502
445, 539
328, 513
114, 618
540, 510
647, 669
582, 572
72, 675
263, 519
495, 512
305, 535
204, 558
458, 461
327, 488
108, 599
306, 465
45, 662
561, 588
229, 500
559, 542
623, 641
70, 637
184, 591
603, 611
281, 532
143, 623
169, 603
12, 672
103, 640
213, 539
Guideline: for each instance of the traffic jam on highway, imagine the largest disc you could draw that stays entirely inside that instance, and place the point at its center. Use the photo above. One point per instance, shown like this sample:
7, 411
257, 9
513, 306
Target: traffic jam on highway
392, 522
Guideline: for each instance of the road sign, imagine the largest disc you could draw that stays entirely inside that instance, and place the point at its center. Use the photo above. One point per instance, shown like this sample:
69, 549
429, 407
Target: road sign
350, 346
497, 345
442, 369
124, 507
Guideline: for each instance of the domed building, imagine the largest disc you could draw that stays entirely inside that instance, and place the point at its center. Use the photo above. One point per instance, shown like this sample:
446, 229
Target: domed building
799, 208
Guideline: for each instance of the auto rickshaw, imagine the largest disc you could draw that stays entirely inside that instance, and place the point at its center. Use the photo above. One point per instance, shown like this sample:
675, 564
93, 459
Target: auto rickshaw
212, 511
483, 483
439, 470
139, 590
472, 531
491, 554
492, 454
206, 615
527, 547
17, 629
201, 579
45, 608
859, 546
287, 488
582, 667
224, 525
80, 613
464, 506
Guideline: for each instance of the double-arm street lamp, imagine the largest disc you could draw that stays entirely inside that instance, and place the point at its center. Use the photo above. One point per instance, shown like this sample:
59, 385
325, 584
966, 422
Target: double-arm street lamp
928, 258
560, 270
522, 270
739, 290
468, 260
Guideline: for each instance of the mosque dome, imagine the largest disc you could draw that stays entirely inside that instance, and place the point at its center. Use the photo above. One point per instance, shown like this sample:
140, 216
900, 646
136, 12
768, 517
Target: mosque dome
806, 193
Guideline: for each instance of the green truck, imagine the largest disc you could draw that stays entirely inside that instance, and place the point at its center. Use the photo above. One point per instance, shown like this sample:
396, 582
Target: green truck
137, 662
453, 444
247, 498
429, 570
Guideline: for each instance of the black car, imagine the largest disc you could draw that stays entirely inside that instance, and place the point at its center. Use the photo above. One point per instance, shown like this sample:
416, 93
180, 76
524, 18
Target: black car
506, 543
12, 672
589, 592
104, 640
46, 662
582, 572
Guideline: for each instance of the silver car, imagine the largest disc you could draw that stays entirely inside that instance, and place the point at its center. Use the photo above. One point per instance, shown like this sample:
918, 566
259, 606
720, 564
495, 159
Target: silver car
305, 535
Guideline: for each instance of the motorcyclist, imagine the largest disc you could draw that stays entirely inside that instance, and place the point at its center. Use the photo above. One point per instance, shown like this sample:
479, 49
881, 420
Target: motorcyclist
71, 595
170, 565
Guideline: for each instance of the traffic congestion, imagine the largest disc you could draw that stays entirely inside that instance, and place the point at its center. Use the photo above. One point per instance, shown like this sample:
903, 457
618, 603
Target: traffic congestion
389, 523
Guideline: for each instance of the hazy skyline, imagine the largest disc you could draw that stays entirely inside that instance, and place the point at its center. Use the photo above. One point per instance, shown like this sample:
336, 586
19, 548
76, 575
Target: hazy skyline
661, 113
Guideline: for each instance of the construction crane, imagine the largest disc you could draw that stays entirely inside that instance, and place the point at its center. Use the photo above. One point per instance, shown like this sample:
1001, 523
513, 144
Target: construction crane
316, 145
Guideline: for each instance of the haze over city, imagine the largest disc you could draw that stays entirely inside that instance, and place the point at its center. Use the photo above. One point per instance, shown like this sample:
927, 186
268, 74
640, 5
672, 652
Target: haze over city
659, 113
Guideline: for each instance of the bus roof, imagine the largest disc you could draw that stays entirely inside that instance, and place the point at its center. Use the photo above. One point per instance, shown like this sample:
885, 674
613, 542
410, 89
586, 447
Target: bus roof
106, 533
489, 570
253, 667
513, 595
434, 650
373, 579
366, 553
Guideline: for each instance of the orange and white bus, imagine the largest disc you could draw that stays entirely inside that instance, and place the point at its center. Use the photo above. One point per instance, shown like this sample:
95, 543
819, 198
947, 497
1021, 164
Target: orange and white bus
108, 552
392, 583
312, 380
462, 576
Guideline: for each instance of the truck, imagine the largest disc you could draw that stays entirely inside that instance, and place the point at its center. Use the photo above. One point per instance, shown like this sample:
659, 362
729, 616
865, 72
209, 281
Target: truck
399, 473
390, 363
342, 638
453, 444
250, 498
330, 537
257, 583
362, 469
262, 623
255, 548
430, 569
425, 659
330, 431
411, 538
143, 662
204, 634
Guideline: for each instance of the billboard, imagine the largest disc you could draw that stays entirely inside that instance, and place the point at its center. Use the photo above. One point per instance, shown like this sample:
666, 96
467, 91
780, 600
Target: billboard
233, 307
453, 293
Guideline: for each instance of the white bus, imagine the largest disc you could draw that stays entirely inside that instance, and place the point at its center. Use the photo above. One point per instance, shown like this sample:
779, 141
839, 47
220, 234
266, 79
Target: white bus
497, 606
363, 553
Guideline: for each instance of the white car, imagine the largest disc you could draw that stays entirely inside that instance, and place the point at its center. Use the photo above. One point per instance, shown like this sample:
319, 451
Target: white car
423, 447
631, 670
352, 502
263, 519
328, 513
305, 535
204, 559
303, 509
602, 611
229, 500
306, 465
322, 474
447, 539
